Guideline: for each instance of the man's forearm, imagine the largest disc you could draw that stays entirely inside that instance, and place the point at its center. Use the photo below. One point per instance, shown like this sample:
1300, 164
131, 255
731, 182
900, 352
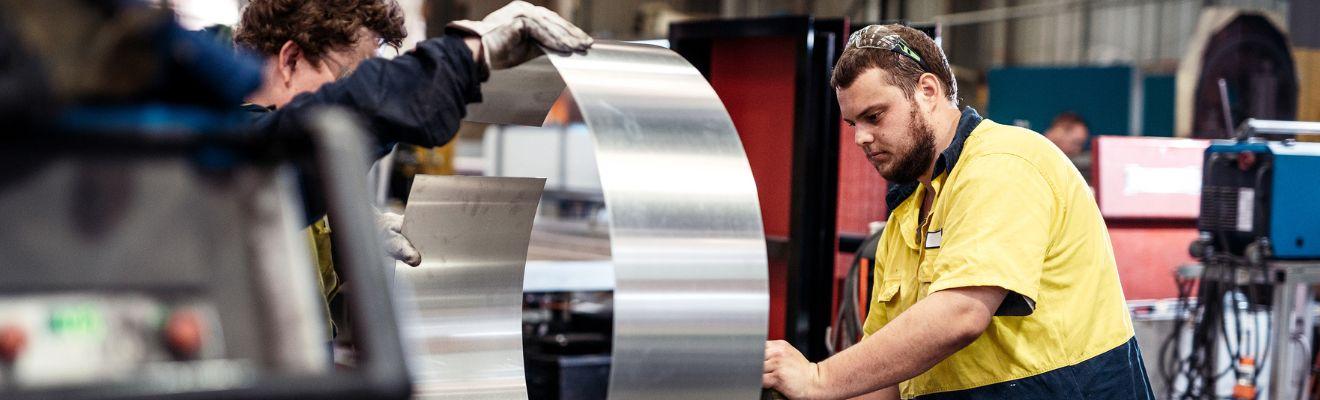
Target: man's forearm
474, 43
920, 337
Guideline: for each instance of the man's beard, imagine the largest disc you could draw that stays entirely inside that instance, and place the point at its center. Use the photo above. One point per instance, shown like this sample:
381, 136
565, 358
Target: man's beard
912, 164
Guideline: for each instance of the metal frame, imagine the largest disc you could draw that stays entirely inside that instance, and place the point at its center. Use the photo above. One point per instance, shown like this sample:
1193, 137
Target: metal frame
1257, 127
1291, 324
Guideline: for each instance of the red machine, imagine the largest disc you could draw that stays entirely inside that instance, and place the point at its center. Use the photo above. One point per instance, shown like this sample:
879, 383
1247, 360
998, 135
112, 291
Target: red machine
1149, 191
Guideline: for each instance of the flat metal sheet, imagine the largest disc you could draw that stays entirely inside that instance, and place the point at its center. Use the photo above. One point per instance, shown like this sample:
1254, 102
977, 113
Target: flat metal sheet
472, 233
690, 300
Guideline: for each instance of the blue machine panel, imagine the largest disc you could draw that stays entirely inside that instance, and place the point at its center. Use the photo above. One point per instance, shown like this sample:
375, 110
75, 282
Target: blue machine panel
1253, 190
1294, 219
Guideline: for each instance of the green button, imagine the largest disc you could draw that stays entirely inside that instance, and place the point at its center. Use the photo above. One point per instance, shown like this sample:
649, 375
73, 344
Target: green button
76, 320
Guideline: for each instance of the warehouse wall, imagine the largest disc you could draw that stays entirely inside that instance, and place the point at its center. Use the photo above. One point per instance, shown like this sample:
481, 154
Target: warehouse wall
1306, 50
1146, 33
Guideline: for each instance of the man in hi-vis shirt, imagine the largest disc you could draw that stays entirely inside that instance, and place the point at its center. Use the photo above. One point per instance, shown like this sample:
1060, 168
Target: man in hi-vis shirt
994, 278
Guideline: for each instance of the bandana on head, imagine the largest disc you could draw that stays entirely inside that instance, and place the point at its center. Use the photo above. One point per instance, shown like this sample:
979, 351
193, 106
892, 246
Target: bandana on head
879, 37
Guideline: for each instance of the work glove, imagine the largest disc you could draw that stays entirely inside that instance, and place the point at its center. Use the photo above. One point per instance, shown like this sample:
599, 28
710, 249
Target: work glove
510, 35
390, 228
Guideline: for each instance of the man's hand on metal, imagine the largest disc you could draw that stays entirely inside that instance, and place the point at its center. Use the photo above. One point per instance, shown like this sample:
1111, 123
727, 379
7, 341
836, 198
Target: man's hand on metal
390, 228
789, 373
510, 35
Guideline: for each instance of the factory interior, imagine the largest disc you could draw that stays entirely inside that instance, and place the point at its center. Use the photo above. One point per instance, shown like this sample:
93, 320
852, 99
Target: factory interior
659, 199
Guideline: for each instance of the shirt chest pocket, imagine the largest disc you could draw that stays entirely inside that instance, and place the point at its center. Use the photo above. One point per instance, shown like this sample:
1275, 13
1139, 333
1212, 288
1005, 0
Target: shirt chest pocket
886, 290
885, 302
885, 298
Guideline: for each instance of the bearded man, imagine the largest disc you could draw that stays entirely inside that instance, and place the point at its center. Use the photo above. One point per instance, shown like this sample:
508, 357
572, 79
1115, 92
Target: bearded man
994, 278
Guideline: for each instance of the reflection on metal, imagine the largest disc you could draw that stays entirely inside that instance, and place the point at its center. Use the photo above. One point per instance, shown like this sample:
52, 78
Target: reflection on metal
690, 299
472, 233
568, 276
521, 96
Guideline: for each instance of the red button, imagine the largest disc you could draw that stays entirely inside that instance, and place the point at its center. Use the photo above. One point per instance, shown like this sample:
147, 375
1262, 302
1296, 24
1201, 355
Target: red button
12, 342
183, 333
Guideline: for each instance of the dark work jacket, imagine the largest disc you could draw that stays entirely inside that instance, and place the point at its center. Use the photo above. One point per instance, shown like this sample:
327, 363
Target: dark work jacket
417, 98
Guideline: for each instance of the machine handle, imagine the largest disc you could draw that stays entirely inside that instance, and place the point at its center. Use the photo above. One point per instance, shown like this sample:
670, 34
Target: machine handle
340, 147
1252, 127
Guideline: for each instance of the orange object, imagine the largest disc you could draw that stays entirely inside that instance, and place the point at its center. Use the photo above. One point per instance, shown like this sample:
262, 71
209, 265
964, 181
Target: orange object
12, 342
1244, 392
863, 301
183, 333
1244, 389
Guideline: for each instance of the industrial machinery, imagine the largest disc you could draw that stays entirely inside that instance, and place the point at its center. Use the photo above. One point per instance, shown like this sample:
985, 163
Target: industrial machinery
1255, 195
152, 244
1260, 260
566, 337
139, 268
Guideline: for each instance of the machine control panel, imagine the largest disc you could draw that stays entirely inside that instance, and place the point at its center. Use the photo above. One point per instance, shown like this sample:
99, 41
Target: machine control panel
49, 340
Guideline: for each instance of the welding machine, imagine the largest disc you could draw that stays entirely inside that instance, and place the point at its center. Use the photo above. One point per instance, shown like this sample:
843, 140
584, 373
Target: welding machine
1256, 197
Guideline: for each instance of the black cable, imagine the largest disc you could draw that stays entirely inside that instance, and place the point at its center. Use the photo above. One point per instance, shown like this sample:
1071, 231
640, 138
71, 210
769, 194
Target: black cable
1200, 373
1234, 346
846, 329
1221, 285
842, 333
1170, 360
1237, 326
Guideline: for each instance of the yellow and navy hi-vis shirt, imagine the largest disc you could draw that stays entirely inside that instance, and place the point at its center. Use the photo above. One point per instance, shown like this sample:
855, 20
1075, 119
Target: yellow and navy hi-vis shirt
1008, 210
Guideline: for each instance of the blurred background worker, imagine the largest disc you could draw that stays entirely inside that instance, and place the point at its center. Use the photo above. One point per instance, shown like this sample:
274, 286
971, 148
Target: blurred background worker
323, 53
1069, 132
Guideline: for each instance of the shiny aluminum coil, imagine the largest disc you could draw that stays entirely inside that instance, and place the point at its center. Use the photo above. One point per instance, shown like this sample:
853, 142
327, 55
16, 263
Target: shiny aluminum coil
690, 298
472, 233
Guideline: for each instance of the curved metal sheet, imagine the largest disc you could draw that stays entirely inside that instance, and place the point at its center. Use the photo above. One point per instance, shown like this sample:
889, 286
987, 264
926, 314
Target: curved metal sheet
690, 299
521, 96
472, 233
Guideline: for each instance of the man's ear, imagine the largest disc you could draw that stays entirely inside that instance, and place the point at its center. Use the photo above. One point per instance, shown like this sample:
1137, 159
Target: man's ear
288, 59
928, 91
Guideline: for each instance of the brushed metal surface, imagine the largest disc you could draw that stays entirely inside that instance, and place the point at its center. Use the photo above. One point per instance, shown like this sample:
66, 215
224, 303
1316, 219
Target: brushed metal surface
688, 248
520, 96
472, 233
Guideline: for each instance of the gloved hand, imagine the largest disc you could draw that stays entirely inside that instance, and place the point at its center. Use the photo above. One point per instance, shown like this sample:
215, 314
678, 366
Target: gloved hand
390, 228
510, 35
